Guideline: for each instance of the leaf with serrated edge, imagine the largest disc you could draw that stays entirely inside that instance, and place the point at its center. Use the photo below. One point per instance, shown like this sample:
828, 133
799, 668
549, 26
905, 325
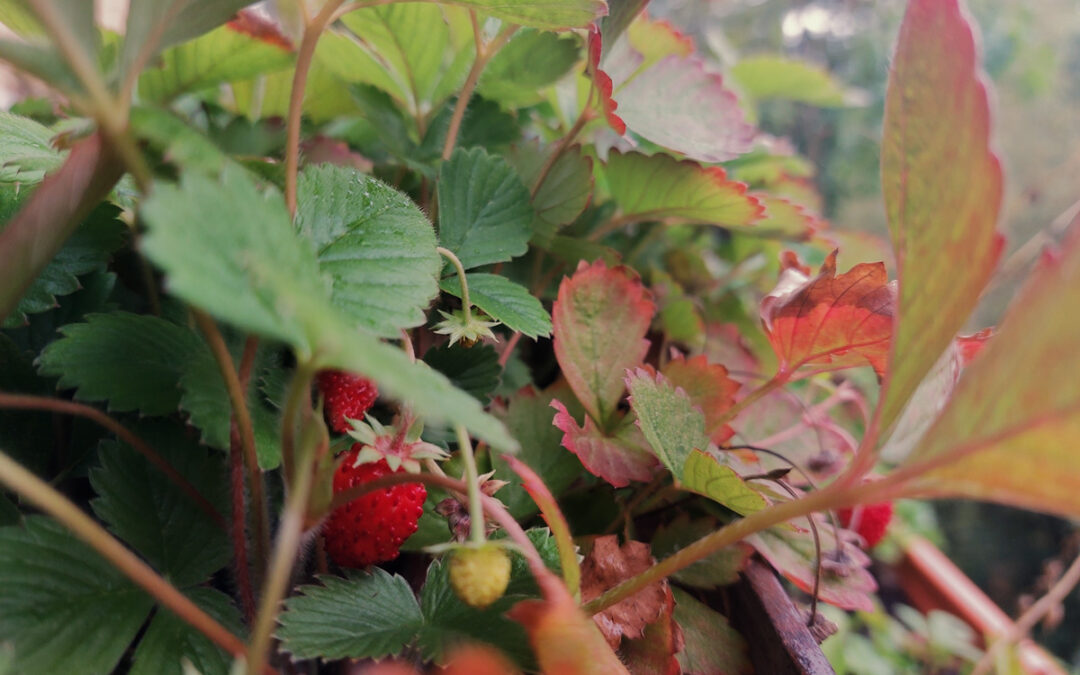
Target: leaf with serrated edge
942, 187
836, 320
680, 105
132, 361
532, 60
1008, 433
485, 215
550, 14
364, 615
56, 592
565, 192
709, 388
529, 419
222, 55
147, 510
613, 458
660, 187
706, 476
503, 300
599, 319
26, 152
665, 414
377, 247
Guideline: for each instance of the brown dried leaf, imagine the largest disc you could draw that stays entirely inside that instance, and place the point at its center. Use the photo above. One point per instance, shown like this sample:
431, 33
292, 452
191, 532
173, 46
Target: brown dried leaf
606, 566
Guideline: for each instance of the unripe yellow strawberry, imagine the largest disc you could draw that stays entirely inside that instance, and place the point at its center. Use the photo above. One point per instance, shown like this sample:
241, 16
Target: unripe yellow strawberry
479, 575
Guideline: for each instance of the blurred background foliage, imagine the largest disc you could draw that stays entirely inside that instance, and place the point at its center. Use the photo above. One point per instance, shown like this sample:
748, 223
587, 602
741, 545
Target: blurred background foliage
1031, 53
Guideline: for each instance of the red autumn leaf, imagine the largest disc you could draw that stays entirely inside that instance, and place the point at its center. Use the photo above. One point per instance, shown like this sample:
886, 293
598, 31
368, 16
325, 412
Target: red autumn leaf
942, 186
841, 321
709, 388
602, 82
566, 642
606, 566
599, 321
654, 653
616, 460
249, 23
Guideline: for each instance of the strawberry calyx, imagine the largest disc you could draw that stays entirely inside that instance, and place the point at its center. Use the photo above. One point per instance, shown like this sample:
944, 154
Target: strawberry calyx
400, 443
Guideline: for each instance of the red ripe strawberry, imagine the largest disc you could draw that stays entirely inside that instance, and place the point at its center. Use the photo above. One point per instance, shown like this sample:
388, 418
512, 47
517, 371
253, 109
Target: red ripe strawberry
870, 520
372, 528
345, 395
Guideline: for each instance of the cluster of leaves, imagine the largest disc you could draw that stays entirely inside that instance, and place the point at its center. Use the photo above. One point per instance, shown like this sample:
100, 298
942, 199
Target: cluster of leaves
602, 192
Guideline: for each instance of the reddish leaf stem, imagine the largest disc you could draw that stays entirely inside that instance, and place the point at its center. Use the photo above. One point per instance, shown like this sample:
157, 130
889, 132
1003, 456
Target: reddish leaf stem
242, 417
241, 569
45, 497
30, 402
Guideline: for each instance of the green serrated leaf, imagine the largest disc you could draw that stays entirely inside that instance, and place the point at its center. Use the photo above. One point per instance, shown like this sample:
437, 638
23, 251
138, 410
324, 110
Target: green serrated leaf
485, 215
474, 369
132, 361
205, 398
448, 621
565, 192
168, 639
57, 593
669, 421
223, 55
503, 300
529, 417
142, 506
26, 152
364, 615
374, 244
706, 476
532, 60
87, 250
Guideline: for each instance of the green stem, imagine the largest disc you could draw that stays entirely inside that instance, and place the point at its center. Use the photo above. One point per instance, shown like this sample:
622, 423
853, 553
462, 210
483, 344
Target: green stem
242, 415
292, 519
298, 396
831, 497
39, 493
472, 479
465, 302
28, 402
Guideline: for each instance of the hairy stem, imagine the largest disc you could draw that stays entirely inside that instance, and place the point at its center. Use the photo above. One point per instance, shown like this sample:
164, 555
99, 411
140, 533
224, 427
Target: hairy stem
472, 480
240, 412
465, 302
45, 497
29, 402
312, 31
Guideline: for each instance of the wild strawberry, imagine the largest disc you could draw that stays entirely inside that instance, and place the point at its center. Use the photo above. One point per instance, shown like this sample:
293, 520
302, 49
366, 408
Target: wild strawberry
372, 528
345, 395
870, 520
479, 574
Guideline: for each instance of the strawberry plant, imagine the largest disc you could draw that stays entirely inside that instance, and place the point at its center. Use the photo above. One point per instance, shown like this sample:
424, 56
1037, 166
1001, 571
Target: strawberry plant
483, 335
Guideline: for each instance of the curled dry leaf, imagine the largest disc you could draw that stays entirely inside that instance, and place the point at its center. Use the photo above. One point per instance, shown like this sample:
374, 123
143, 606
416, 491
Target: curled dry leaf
655, 653
605, 567
840, 320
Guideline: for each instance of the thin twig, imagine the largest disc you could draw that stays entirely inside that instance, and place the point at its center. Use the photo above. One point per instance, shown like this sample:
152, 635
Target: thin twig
241, 563
1033, 615
238, 401
30, 402
45, 497
472, 481
466, 304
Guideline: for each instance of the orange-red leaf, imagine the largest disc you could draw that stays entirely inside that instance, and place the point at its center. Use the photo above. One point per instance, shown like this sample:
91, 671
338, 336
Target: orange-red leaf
942, 186
599, 321
602, 82
841, 321
709, 388
618, 460
566, 642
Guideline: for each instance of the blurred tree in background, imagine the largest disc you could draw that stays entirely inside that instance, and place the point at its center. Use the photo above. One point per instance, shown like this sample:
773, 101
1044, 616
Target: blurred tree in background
1031, 52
